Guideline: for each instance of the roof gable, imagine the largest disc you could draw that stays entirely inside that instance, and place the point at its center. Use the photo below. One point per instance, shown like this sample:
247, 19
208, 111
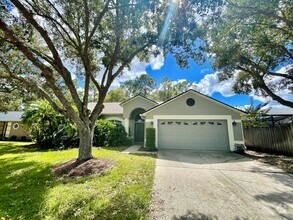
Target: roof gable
201, 95
136, 97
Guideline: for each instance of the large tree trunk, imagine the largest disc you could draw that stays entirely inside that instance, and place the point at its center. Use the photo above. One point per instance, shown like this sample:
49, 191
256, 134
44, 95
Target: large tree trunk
85, 144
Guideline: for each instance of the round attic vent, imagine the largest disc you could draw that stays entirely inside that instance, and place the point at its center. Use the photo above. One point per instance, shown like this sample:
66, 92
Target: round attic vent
15, 126
190, 102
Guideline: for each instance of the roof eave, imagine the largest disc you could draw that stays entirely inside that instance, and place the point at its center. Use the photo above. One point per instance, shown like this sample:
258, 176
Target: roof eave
191, 90
134, 97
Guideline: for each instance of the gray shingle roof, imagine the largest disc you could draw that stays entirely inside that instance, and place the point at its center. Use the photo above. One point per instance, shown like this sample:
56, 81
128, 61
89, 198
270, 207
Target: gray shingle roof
281, 111
11, 116
111, 108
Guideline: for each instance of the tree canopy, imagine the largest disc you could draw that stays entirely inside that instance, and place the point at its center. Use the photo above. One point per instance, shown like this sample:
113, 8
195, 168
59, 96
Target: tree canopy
141, 85
145, 85
116, 95
255, 114
53, 48
251, 41
13, 97
168, 89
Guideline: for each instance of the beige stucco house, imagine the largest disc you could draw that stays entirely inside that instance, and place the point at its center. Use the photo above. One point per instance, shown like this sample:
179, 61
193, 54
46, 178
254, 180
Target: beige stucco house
190, 120
11, 127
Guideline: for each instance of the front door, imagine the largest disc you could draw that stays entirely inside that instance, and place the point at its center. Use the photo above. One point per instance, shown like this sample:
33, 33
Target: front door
139, 132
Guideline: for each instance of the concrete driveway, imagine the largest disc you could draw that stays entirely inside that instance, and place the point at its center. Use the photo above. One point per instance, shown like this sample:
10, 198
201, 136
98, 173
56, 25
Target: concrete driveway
219, 185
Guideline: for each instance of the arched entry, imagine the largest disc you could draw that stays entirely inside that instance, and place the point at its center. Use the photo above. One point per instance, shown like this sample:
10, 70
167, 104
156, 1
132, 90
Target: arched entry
138, 125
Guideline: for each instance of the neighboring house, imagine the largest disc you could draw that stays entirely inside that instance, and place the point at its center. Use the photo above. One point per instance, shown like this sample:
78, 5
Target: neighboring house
190, 120
11, 127
279, 116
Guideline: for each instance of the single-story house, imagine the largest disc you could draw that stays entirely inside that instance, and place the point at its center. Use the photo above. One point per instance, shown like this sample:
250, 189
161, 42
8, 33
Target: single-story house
11, 127
190, 120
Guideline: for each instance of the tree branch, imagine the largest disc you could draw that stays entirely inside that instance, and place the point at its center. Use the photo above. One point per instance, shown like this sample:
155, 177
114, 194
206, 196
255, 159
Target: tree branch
99, 19
61, 69
267, 13
34, 86
129, 60
46, 71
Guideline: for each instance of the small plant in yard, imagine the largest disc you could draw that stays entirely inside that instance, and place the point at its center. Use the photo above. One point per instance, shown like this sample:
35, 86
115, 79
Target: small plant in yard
240, 148
150, 143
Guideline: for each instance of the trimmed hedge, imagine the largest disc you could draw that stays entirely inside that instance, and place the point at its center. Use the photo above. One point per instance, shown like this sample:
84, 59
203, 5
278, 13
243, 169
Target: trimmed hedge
108, 133
150, 143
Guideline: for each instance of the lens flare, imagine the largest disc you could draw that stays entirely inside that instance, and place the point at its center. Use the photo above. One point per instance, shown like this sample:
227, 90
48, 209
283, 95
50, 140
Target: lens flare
171, 12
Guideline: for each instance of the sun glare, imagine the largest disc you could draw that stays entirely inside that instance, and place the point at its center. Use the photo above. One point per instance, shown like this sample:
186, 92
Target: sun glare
171, 12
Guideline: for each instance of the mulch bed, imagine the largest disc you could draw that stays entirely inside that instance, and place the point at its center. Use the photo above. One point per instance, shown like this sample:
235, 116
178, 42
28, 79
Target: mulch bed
74, 168
281, 161
142, 148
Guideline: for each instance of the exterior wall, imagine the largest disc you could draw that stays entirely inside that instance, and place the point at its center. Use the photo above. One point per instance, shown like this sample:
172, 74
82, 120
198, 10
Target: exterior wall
19, 133
238, 132
113, 117
2, 129
138, 102
203, 106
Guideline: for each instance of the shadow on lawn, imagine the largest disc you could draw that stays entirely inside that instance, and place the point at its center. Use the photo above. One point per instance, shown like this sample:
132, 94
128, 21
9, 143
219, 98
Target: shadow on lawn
15, 148
23, 186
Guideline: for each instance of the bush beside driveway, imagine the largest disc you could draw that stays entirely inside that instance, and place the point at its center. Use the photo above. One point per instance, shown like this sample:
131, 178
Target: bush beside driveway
29, 190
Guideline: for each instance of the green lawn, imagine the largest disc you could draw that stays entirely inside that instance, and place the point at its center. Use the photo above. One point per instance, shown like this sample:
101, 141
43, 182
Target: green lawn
28, 190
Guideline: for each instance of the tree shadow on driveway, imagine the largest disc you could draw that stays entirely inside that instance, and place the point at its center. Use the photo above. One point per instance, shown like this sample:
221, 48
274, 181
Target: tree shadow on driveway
199, 216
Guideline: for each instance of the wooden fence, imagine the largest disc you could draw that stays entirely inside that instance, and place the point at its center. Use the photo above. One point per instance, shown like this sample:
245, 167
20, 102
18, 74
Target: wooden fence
277, 139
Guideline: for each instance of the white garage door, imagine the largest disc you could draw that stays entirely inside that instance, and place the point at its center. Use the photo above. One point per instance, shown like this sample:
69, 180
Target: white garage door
193, 134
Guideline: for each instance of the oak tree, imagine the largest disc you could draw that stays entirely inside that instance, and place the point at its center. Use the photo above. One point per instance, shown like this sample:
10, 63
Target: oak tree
48, 45
253, 38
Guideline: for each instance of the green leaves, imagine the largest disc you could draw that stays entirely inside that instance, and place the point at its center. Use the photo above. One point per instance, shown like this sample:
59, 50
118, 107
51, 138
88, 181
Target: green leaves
48, 128
254, 37
141, 85
254, 117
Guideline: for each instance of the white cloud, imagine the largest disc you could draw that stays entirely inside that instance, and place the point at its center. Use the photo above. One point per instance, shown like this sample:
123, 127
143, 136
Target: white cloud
210, 84
14, 12
137, 68
157, 62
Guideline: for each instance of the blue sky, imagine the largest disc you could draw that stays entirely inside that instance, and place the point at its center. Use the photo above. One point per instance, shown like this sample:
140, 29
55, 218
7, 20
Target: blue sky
195, 74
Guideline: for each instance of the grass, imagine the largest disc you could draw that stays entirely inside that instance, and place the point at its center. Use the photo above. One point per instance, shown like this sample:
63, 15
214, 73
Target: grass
29, 190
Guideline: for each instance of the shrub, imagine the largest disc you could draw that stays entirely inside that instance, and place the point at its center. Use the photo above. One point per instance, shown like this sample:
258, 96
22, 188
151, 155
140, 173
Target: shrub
23, 138
48, 128
108, 133
240, 148
150, 139
13, 138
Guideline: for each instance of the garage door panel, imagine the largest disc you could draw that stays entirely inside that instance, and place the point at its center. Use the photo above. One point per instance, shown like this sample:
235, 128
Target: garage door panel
193, 134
